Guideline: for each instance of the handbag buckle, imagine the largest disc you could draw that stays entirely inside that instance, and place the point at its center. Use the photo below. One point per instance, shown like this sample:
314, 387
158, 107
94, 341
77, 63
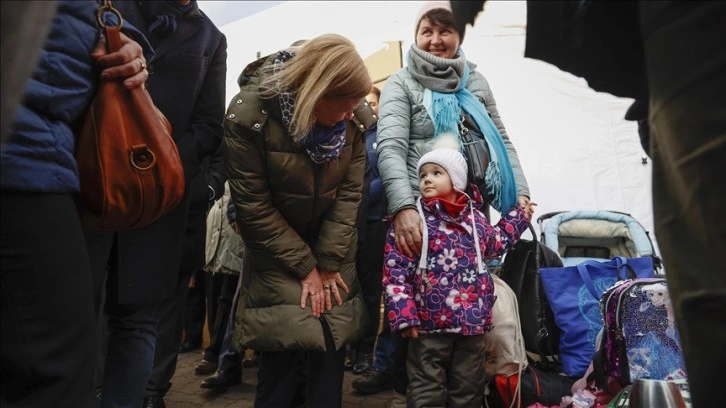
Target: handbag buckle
106, 7
142, 158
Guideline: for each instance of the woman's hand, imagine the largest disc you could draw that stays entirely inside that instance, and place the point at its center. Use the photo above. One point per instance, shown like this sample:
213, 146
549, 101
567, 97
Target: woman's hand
128, 62
312, 286
332, 281
411, 332
409, 232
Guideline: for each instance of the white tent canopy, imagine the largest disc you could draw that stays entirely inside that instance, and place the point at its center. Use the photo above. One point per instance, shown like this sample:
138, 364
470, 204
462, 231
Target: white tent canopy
577, 151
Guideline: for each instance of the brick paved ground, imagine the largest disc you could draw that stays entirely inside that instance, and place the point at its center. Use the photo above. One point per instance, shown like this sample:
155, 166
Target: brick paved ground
185, 391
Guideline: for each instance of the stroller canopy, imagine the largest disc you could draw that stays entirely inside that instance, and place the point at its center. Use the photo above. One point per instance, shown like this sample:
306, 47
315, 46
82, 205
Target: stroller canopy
593, 234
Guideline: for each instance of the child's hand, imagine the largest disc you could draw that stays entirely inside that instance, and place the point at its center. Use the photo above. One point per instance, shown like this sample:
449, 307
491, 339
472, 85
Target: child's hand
411, 332
529, 209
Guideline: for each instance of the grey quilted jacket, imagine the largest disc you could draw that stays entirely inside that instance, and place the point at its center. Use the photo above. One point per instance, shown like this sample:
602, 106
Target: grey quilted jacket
405, 133
224, 247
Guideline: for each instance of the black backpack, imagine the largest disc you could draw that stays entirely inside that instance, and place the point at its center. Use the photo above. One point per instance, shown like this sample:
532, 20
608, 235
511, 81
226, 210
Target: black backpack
520, 270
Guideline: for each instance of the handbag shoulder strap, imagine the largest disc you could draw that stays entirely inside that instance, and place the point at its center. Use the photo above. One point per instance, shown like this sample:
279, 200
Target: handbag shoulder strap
619, 264
585, 275
112, 33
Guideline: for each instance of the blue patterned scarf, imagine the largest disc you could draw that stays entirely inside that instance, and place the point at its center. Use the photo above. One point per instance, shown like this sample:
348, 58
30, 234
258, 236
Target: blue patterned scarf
445, 96
323, 143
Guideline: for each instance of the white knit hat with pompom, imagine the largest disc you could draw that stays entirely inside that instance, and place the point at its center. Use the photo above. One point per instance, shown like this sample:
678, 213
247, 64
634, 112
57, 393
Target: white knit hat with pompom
428, 6
447, 154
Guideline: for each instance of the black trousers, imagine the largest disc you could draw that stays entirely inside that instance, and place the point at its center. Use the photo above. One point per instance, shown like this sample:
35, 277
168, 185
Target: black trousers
301, 378
47, 316
370, 271
168, 338
400, 371
195, 309
227, 285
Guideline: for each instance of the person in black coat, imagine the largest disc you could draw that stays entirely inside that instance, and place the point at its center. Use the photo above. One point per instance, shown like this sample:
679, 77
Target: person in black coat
140, 268
206, 187
371, 242
670, 56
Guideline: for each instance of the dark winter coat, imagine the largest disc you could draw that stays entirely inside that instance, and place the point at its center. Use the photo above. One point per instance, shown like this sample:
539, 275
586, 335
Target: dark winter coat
187, 83
293, 215
206, 187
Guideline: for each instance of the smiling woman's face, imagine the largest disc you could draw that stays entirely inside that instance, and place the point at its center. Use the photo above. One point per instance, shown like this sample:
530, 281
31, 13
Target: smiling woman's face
442, 41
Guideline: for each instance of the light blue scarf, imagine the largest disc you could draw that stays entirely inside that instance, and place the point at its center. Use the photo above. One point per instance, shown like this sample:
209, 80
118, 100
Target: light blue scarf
445, 81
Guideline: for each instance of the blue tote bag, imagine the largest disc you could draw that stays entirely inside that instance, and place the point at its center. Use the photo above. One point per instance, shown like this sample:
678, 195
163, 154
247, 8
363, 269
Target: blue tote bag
574, 294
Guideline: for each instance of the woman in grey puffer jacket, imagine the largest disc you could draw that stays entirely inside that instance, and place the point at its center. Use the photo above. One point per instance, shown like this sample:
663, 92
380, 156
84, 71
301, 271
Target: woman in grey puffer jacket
436, 70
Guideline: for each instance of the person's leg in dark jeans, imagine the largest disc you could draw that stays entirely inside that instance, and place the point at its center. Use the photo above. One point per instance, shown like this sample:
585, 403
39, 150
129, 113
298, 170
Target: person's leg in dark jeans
229, 364
168, 339
47, 316
223, 309
385, 349
370, 269
195, 309
685, 53
99, 246
380, 376
213, 289
130, 355
102, 338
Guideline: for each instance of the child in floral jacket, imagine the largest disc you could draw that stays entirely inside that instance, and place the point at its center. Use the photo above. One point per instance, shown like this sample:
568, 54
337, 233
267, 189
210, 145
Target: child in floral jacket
443, 300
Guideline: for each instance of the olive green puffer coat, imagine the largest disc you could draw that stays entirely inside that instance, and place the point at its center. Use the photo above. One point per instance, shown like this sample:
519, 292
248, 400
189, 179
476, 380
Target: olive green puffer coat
294, 215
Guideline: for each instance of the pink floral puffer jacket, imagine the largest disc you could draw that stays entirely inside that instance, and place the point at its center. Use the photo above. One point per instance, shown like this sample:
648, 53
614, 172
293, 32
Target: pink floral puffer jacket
452, 294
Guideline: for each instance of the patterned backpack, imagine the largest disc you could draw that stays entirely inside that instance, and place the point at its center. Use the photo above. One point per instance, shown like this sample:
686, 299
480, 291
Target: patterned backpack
640, 339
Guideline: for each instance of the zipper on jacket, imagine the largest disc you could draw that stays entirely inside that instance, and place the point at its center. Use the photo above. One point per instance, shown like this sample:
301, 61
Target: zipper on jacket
316, 190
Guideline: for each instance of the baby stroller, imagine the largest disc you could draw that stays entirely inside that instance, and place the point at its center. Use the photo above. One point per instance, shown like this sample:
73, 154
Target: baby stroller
595, 235
595, 248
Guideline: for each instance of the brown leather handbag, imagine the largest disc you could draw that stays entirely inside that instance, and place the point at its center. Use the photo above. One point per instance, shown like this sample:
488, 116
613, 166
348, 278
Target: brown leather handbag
129, 167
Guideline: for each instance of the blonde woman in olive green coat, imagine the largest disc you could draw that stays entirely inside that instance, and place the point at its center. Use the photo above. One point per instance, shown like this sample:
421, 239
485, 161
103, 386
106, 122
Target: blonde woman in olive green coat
295, 165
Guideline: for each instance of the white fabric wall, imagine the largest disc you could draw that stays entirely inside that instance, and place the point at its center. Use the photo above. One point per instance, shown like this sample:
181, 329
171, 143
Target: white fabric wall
576, 149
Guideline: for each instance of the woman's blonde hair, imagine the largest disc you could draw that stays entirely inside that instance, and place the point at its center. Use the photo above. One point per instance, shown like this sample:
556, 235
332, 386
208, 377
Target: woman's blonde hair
327, 66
